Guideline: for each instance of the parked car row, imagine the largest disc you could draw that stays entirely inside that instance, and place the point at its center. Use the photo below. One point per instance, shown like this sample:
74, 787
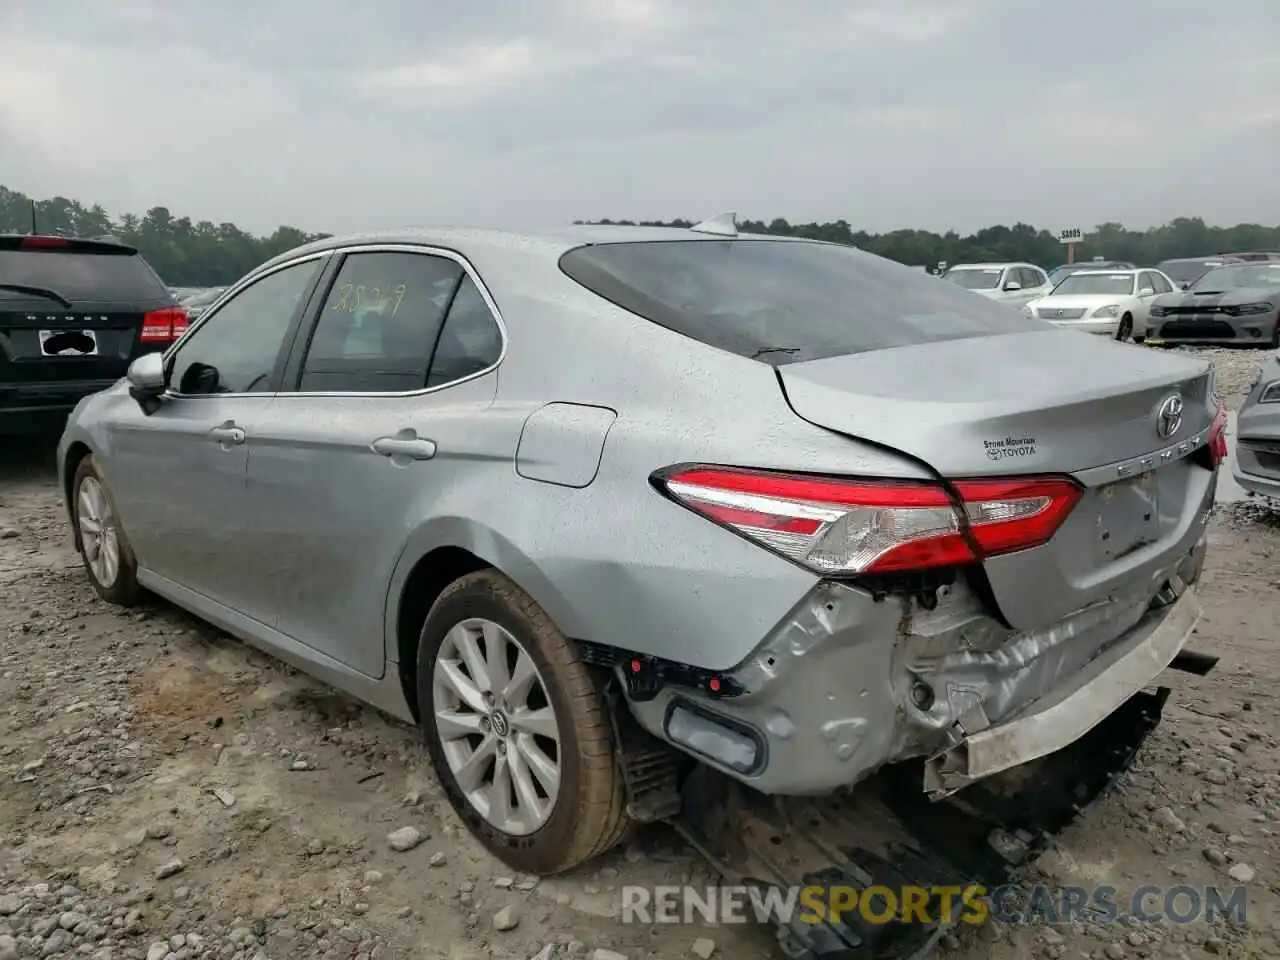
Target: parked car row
1229, 300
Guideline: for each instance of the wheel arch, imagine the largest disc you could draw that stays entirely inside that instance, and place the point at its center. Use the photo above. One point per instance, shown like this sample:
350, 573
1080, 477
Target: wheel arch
436, 556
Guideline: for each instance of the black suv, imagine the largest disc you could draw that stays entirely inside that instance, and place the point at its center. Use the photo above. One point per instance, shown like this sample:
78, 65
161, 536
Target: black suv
73, 314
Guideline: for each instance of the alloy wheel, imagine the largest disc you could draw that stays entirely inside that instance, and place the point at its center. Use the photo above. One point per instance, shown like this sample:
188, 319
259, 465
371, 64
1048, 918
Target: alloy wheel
496, 726
99, 534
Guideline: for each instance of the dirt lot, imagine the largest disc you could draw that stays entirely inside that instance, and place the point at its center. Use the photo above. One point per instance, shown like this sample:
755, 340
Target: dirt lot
166, 792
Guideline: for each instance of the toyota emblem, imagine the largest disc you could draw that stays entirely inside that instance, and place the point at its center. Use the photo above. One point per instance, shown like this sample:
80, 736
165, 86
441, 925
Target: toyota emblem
1169, 418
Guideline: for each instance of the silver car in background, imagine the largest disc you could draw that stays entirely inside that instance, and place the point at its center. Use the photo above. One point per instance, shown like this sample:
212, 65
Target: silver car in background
622, 516
1236, 304
1257, 466
1012, 283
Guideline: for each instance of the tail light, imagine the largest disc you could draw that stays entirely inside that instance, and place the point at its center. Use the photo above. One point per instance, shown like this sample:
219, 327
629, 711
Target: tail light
839, 526
44, 243
164, 325
1217, 445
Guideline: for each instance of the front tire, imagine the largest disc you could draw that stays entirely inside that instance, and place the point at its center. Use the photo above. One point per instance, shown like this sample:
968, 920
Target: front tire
1125, 330
517, 729
100, 537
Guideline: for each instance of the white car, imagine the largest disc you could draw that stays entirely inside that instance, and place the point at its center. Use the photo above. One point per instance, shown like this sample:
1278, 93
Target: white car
1015, 283
1116, 303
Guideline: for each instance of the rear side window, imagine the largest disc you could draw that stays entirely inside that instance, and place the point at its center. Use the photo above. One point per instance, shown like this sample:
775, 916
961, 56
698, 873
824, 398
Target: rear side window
122, 277
380, 323
786, 301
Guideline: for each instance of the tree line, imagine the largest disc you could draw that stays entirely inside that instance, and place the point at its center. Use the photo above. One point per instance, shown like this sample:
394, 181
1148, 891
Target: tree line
198, 254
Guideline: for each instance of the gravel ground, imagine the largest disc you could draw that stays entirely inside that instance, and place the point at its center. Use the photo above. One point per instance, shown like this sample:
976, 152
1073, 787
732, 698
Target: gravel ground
168, 793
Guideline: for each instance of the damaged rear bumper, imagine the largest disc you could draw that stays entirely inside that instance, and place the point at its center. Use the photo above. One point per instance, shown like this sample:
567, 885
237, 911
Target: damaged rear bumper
1070, 712
848, 684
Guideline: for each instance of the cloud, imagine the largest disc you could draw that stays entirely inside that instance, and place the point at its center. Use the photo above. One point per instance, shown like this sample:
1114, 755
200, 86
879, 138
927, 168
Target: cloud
889, 113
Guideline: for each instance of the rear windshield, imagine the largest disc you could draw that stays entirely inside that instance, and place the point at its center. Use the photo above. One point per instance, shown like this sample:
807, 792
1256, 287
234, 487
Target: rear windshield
786, 301
975, 279
104, 277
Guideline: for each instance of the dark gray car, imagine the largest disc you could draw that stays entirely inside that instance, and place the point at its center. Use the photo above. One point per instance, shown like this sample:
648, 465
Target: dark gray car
1233, 304
1257, 466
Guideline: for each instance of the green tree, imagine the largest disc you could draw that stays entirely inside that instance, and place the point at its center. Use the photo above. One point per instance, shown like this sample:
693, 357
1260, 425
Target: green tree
208, 254
182, 252
1182, 237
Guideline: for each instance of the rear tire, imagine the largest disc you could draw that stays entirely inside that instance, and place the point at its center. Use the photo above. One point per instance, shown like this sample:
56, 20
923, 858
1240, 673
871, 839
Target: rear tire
1125, 330
100, 537
496, 743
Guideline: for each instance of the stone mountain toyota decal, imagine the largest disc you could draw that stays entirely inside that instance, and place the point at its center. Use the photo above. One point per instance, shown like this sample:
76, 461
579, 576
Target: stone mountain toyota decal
1169, 417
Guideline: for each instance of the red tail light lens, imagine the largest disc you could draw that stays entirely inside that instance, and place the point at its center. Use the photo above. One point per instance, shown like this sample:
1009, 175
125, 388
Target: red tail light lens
164, 325
871, 526
1218, 438
44, 243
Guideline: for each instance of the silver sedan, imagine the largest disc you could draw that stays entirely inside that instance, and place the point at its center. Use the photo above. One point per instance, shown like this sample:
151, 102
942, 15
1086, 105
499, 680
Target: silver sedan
597, 507
1257, 467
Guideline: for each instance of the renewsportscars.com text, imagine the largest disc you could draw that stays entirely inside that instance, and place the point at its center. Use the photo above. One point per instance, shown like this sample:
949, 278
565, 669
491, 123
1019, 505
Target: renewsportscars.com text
931, 905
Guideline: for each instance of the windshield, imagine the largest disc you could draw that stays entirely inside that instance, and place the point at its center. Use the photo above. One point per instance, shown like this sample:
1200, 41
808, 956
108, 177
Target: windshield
1185, 271
786, 301
985, 279
1089, 284
1239, 276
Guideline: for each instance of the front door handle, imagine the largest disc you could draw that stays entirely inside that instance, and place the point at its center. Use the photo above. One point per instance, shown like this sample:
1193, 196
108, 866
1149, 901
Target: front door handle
405, 447
227, 433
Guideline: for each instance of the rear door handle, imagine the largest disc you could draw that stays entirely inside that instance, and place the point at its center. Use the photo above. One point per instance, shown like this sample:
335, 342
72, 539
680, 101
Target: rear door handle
413, 449
227, 433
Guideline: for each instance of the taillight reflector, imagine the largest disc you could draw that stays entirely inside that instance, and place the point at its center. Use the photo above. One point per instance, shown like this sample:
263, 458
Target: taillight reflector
872, 526
164, 325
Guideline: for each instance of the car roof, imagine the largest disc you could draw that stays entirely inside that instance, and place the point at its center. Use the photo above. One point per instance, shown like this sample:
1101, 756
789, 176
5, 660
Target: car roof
991, 266
554, 240
1099, 271
1222, 260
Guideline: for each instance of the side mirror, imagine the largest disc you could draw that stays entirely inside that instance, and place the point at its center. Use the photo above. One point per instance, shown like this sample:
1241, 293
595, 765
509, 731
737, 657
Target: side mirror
1011, 286
1146, 292
148, 381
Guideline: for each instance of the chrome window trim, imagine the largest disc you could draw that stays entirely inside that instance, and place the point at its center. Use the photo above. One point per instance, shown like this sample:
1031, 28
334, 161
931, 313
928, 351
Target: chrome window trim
424, 250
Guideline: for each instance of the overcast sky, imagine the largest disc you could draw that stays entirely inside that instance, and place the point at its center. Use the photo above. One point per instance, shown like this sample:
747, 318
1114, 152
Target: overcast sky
934, 114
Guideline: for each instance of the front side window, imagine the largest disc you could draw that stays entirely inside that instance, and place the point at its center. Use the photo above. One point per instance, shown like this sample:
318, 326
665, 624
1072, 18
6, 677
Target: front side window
379, 324
235, 350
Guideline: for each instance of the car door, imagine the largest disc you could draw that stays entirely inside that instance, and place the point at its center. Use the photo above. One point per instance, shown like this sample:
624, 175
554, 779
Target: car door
179, 473
1149, 287
383, 418
1037, 283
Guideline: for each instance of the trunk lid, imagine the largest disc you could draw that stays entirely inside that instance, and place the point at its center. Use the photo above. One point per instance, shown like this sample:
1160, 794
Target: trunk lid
42, 340
1043, 402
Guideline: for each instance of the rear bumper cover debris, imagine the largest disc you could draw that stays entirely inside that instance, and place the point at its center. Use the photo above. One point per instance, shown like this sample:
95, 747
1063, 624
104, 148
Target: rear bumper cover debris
1070, 712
